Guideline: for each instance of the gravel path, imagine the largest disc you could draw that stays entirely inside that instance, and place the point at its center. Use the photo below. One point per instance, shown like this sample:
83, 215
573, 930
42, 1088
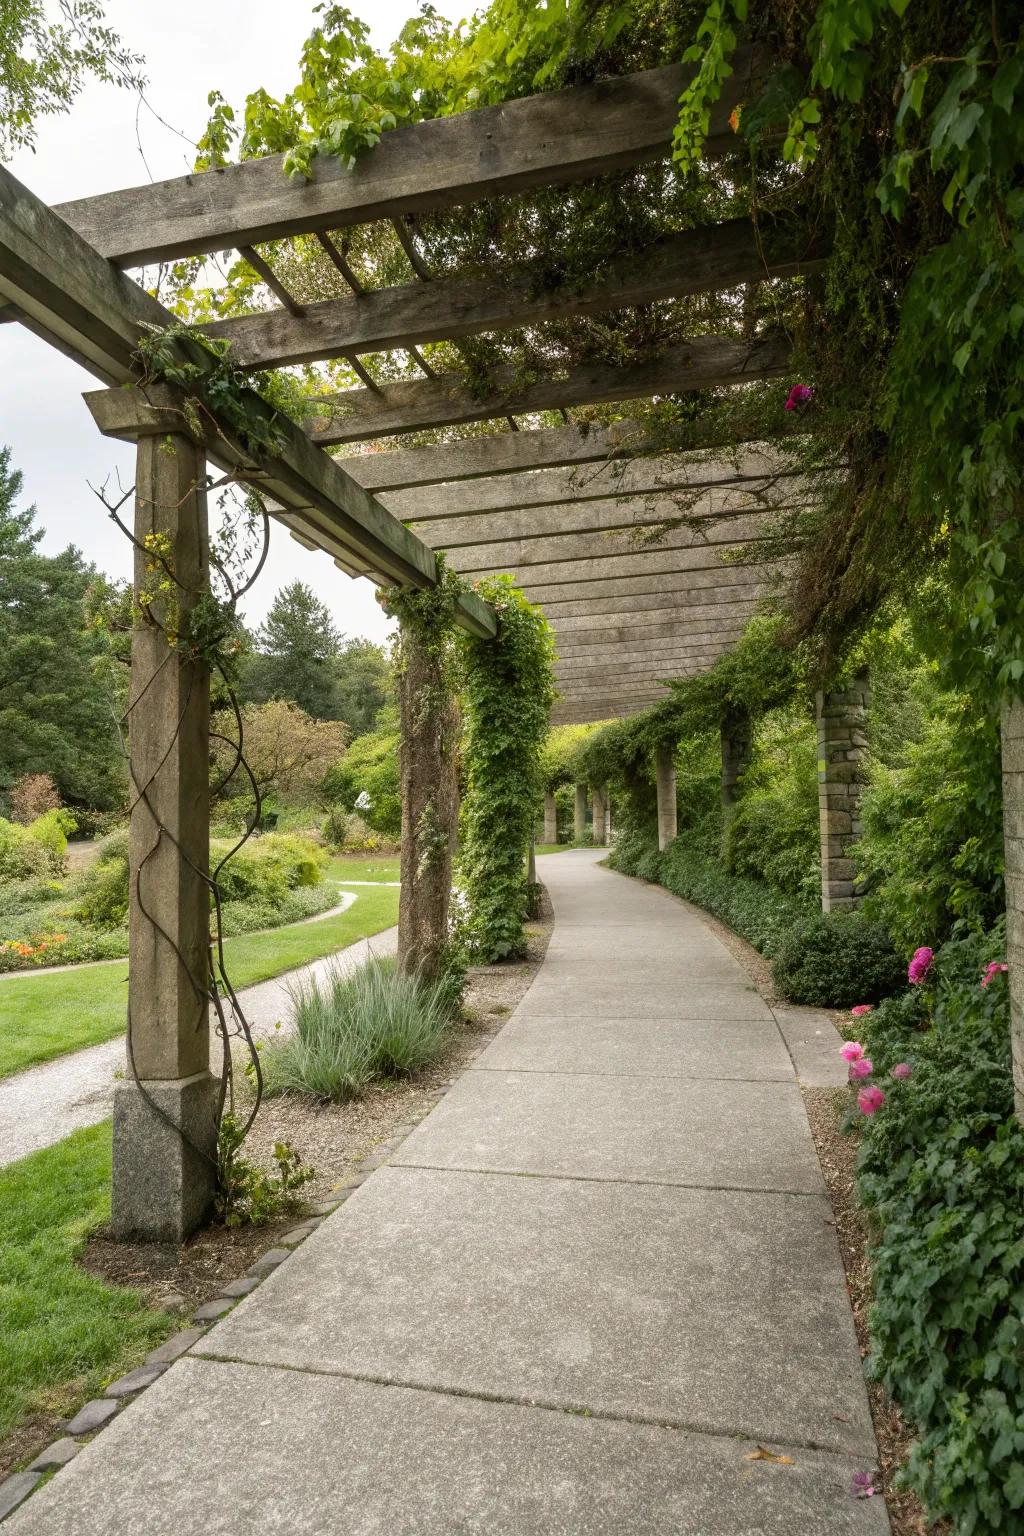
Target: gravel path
44, 1104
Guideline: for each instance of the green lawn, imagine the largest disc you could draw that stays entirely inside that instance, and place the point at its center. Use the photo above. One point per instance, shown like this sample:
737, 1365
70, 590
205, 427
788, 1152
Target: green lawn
46, 1016
354, 866
65, 1333
556, 847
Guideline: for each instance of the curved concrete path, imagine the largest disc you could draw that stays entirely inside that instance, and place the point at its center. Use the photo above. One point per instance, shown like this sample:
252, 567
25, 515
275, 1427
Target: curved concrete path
582, 1294
43, 1104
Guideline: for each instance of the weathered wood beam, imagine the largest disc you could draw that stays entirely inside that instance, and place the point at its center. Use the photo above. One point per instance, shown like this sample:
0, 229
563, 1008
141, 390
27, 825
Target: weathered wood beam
452, 308
707, 546
649, 609
718, 509
682, 586
666, 474
508, 453
86, 307
655, 562
556, 137
413, 405
641, 653
653, 636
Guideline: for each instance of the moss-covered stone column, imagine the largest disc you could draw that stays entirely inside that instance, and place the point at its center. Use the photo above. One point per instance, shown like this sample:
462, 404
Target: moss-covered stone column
665, 779
599, 805
579, 819
165, 1111
1013, 833
550, 817
428, 764
842, 718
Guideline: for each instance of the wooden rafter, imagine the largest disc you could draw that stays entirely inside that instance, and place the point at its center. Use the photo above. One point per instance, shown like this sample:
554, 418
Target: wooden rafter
414, 405
557, 137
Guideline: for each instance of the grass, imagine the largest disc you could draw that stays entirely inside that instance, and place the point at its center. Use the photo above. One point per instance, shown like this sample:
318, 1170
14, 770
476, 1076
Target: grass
356, 866
65, 1332
558, 847
352, 1029
49, 1015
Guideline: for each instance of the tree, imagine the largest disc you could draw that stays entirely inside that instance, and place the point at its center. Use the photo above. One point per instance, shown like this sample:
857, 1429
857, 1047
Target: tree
296, 651
288, 753
44, 63
364, 684
55, 715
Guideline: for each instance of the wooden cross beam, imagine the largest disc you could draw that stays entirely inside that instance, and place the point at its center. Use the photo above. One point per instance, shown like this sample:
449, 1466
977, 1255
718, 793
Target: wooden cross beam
67, 293
414, 405
697, 549
556, 137
452, 308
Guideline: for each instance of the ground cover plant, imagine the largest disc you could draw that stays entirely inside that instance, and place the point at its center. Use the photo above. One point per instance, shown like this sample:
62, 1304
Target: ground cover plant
65, 1332
941, 1168
356, 1027
49, 1015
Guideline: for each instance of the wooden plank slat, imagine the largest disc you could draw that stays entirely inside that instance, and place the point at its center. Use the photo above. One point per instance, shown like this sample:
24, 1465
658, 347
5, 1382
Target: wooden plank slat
453, 308
706, 546
417, 404
651, 636
96, 313
555, 137
651, 608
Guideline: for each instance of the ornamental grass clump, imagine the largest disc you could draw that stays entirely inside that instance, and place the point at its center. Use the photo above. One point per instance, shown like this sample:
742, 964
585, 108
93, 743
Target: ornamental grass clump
353, 1028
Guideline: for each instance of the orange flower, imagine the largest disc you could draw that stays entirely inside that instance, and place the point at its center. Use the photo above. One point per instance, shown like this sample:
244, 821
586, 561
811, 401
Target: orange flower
734, 119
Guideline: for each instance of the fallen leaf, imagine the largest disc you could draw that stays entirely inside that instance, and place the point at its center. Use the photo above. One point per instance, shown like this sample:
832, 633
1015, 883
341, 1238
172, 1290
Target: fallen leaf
762, 1455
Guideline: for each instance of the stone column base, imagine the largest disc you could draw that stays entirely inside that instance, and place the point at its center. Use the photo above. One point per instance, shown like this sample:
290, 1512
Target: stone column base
162, 1188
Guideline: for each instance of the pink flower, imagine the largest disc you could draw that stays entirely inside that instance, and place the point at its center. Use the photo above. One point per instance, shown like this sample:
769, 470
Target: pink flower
861, 1009
862, 1068
993, 970
870, 1099
863, 1485
920, 965
852, 1050
800, 394
901, 1070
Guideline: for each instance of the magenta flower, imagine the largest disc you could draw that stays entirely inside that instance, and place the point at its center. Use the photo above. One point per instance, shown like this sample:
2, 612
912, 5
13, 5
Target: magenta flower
800, 394
870, 1099
994, 969
863, 1485
920, 965
901, 1070
862, 1068
851, 1050
861, 1009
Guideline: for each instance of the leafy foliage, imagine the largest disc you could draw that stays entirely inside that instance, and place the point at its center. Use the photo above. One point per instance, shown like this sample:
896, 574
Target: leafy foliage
370, 768
248, 1195
942, 1167
287, 752
837, 960
508, 694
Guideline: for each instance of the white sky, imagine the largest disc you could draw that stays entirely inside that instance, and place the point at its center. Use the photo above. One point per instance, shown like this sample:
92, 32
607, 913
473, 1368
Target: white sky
190, 48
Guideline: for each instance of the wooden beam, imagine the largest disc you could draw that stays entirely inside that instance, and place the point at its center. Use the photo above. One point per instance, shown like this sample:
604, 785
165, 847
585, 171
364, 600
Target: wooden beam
453, 308
95, 313
656, 562
414, 405
667, 475
556, 137
653, 636
715, 509
727, 585
705, 547
640, 655
508, 453
650, 609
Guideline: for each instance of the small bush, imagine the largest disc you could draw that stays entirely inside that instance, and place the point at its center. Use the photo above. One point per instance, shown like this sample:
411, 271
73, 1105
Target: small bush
354, 1027
266, 867
247, 1194
32, 796
836, 960
52, 830
22, 856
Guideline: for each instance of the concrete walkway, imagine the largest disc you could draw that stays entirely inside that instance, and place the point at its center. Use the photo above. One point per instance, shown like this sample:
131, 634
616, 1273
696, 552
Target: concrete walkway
583, 1293
43, 1104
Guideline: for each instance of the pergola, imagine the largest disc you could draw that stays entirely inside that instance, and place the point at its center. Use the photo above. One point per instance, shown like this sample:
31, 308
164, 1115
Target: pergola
634, 555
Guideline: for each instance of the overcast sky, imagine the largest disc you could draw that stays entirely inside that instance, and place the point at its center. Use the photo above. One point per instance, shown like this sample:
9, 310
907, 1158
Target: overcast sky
190, 48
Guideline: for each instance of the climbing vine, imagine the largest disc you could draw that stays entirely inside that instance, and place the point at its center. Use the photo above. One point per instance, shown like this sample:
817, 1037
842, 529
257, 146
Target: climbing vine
509, 690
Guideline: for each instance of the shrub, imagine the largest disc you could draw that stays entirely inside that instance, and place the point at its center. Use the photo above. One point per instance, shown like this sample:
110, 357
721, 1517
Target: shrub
370, 767
942, 1167
22, 856
52, 829
354, 1027
31, 796
103, 888
836, 960
247, 1194
773, 834
266, 867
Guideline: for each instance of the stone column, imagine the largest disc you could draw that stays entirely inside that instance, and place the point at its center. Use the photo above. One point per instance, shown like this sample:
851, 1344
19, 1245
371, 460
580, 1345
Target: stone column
579, 825
428, 772
165, 1111
1013, 833
842, 743
598, 803
665, 779
550, 818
